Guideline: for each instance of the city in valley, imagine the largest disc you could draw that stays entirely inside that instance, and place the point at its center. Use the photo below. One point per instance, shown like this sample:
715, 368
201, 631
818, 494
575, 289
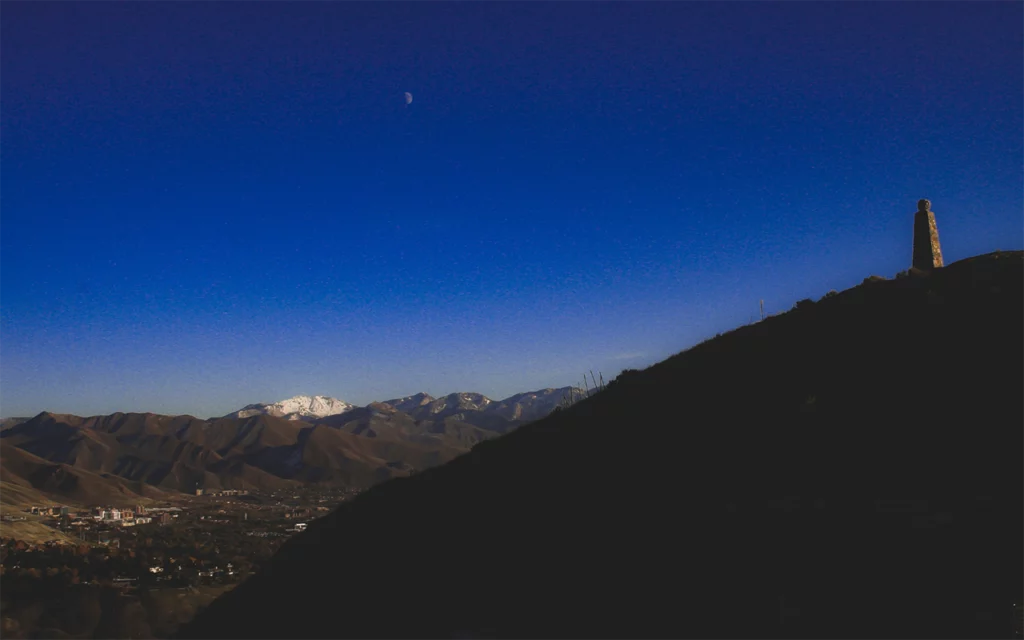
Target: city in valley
164, 560
125, 525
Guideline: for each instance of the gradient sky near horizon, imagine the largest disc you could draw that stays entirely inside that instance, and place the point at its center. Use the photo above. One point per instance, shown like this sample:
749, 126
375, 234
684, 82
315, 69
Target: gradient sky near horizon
205, 205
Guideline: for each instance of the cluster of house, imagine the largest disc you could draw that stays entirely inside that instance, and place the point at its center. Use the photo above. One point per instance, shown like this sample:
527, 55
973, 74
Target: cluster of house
49, 511
112, 516
223, 492
106, 515
120, 517
210, 573
212, 520
122, 580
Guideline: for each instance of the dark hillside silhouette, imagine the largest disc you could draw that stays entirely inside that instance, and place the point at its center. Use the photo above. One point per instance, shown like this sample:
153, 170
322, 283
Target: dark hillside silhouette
848, 469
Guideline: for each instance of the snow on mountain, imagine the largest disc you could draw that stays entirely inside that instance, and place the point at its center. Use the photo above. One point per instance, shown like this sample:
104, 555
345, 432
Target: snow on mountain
527, 406
461, 402
410, 403
297, 408
533, 405
516, 409
424, 406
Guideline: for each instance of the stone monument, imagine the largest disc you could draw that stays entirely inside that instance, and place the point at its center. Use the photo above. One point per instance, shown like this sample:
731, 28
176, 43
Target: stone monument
927, 254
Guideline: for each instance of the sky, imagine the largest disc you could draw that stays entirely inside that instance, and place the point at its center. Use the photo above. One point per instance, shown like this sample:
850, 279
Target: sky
205, 205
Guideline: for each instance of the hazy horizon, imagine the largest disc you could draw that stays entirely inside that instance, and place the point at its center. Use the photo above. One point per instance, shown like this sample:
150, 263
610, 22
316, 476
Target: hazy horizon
219, 414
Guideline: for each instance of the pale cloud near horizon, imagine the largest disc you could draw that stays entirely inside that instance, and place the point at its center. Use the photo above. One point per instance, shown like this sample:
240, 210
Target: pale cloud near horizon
631, 355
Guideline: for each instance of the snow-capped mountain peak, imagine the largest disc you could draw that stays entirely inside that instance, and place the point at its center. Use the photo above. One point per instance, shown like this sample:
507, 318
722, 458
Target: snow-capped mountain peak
296, 408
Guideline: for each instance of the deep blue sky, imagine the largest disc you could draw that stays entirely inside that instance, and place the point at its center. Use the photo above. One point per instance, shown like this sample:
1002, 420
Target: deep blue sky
211, 204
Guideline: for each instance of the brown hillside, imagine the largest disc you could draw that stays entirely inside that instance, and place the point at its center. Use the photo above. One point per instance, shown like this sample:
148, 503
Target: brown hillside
183, 453
56, 481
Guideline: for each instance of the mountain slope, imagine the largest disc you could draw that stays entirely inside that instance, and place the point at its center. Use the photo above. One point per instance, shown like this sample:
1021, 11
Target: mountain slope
469, 408
849, 469
451, 404
409, 404
43, 479
480, 411
182, 453
381, 421
270, 447
7, 423
532, 405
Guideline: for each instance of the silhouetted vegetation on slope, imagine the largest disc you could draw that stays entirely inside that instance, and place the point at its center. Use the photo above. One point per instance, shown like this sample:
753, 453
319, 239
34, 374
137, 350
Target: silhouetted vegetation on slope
848, 469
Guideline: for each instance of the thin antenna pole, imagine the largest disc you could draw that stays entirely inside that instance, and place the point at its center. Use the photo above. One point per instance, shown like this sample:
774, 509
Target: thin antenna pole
762, 309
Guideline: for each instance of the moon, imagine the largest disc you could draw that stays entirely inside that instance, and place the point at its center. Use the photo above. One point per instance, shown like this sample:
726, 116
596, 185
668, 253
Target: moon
408, 98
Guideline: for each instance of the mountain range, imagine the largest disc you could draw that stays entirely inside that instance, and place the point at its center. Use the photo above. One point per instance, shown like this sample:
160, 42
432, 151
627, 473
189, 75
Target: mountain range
850, 468
468, 407
122, 457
